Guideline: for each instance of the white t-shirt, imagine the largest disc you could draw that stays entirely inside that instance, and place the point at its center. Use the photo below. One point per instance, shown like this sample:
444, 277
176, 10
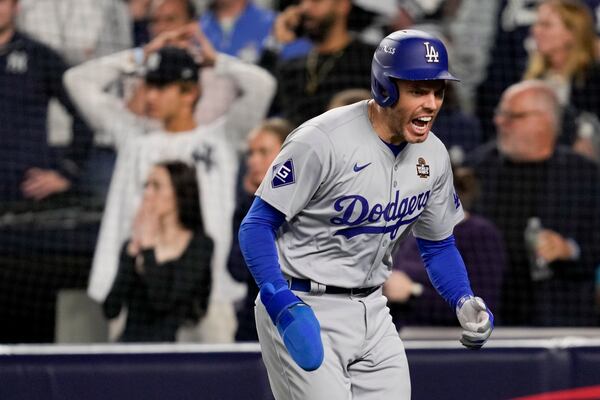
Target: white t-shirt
213, 148
216, 164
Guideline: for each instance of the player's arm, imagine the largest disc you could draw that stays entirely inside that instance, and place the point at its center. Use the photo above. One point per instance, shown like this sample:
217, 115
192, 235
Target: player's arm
295, 320
448, 274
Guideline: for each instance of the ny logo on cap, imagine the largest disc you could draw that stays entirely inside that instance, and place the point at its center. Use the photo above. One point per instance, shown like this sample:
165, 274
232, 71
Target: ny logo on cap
153, 61
431, 55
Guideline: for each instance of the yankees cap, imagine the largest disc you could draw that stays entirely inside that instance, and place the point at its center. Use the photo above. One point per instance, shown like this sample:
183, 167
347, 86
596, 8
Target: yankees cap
169, 65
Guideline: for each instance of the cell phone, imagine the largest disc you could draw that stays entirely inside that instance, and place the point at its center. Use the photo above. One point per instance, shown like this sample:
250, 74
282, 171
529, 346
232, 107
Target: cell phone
300, 30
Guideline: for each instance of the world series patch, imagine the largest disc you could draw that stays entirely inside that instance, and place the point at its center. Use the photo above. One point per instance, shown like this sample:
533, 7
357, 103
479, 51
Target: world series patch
422, 168
283, 174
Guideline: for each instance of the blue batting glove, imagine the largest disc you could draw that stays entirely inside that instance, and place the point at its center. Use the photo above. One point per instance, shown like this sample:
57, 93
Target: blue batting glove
297, 325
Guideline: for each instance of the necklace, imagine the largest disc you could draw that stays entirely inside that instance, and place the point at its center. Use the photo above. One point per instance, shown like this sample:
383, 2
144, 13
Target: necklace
314, 74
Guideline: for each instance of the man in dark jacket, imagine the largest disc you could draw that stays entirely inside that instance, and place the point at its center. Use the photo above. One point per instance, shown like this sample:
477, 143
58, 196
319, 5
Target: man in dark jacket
30, 75
525, 175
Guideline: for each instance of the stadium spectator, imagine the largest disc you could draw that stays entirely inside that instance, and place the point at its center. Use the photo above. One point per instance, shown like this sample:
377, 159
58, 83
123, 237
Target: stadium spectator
170, 15
347, 97
525, 174
172, 91
565, 56
31, 75
164, 268
337, 60
412, 298
39, 186
264, 143
79, 30
139, 10
238, 27
460, 132
509, 54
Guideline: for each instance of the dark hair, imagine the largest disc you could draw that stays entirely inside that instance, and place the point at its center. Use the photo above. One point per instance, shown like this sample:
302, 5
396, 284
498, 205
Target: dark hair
190, 9
187, 196
466, 185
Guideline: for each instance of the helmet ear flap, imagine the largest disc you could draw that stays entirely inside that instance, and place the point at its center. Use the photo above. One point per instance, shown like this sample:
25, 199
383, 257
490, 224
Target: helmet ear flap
385, 91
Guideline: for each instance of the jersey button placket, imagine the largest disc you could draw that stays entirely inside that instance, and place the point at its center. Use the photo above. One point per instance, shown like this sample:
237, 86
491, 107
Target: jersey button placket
383, 238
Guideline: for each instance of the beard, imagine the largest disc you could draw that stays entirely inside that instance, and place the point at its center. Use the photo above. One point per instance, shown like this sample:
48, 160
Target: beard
318, 31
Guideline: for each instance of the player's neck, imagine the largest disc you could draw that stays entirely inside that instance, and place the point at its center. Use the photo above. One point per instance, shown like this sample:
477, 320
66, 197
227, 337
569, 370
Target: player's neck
380, 126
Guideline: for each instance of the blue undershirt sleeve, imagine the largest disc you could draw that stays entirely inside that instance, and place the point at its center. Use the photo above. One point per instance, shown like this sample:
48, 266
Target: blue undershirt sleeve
446, 268
257, 242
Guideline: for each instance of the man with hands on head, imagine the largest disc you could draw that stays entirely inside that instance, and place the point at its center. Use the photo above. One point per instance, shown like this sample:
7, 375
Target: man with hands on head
345, 189
171, 76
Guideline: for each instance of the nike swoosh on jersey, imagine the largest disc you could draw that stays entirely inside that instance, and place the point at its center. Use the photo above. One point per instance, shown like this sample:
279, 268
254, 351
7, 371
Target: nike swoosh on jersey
358, 168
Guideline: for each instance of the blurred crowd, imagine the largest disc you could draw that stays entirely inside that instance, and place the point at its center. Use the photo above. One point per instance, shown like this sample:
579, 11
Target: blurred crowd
135, 133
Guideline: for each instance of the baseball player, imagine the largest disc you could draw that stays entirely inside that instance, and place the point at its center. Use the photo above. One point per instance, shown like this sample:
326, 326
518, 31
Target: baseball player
345, 189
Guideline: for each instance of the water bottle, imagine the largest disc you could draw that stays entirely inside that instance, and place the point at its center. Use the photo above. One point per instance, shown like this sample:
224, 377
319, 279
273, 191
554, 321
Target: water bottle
538, 267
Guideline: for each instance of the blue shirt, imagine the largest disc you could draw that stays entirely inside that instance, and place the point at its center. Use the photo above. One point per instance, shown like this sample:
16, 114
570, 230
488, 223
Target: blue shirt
247, 36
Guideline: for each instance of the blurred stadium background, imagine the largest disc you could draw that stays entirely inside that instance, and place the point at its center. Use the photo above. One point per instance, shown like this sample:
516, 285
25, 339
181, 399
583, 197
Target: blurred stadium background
56, 341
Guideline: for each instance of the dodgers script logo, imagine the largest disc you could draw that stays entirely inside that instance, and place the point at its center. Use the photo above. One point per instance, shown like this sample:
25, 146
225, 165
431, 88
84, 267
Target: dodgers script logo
356, 211
431, 55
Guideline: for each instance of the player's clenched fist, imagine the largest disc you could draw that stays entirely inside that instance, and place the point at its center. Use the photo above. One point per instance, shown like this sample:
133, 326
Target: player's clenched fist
297, 325
477, 321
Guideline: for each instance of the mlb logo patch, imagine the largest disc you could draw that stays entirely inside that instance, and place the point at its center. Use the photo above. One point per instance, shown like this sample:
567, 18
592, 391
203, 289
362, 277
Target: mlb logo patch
283, 174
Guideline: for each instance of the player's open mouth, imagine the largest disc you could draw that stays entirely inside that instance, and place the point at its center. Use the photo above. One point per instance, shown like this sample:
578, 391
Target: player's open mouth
421, 124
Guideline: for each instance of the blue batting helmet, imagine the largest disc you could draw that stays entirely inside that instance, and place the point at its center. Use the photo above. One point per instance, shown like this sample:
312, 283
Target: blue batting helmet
409, 55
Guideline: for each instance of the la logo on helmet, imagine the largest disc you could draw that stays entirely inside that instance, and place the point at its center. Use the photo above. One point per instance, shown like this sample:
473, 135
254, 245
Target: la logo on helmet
431, 55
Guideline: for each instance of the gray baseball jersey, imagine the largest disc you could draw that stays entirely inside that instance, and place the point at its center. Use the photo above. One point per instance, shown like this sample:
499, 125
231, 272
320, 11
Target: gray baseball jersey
348, 200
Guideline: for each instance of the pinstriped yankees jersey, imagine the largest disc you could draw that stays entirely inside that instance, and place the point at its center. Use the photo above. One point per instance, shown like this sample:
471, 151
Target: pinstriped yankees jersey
348, 200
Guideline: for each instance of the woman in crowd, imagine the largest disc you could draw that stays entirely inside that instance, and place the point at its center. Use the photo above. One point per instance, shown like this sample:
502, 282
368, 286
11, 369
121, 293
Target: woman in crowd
566, 57
164, 272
